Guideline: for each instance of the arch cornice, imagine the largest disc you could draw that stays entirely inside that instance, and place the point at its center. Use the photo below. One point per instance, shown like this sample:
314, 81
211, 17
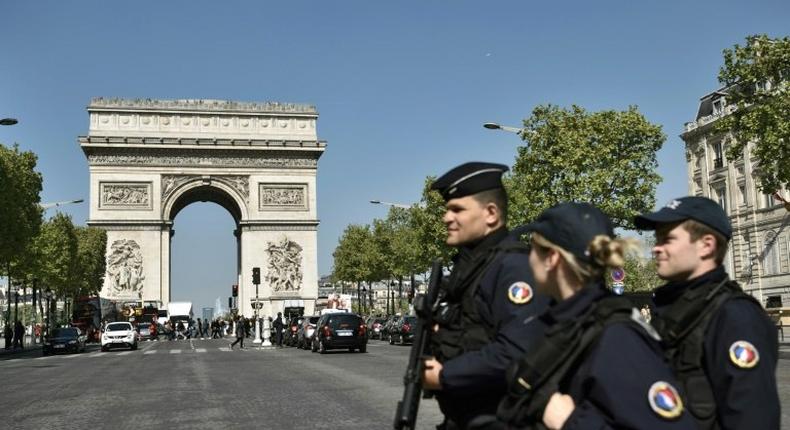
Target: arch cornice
229, 191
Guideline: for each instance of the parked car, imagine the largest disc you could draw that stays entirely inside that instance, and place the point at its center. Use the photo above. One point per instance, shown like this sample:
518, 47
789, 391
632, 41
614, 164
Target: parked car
340, 330
375, 327
67, 339
119, 334
306, 331
404, 331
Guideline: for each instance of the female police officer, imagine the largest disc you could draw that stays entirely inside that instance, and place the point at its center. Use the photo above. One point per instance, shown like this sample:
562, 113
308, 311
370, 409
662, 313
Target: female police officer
599, 365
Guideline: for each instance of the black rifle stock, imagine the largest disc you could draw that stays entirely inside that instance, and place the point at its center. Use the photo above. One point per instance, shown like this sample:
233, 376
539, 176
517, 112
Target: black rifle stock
406, 413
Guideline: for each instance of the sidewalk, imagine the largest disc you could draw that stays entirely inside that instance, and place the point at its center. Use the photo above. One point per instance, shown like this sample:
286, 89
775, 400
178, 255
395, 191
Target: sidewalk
28, 347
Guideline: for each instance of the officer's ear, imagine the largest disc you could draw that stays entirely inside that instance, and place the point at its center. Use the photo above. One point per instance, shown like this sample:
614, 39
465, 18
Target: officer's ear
493, 214
706, 246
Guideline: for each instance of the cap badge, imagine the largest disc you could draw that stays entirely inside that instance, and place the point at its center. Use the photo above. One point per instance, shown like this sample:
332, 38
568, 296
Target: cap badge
519, 293
744, 355
665, 400
674, 204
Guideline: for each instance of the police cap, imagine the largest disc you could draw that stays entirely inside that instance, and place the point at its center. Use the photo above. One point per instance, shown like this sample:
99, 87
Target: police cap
701, 209
571, 226
470, 178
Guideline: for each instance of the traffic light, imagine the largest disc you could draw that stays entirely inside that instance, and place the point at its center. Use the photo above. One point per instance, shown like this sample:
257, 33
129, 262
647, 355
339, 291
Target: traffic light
230, 302
256, 275
235, 290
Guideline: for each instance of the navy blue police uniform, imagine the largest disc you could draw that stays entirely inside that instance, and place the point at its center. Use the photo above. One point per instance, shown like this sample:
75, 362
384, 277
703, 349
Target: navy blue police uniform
596, 349
720, 341
490, 285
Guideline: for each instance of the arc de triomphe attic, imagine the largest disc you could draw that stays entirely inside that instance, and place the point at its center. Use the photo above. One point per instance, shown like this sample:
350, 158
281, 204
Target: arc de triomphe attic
149, 159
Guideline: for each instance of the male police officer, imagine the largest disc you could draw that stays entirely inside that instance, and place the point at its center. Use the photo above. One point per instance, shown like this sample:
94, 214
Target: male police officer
490, 284
721, 343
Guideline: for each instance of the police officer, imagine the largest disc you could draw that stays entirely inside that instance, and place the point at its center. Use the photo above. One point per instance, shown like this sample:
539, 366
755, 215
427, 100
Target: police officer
719, 340
489, 285
599, 365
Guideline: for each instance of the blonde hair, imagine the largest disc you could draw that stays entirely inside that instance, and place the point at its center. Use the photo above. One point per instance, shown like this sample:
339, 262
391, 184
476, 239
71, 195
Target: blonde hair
605, 253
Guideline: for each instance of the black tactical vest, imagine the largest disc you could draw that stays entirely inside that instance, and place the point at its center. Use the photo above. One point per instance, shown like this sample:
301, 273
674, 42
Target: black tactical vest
682, 326
536, 376
463, 329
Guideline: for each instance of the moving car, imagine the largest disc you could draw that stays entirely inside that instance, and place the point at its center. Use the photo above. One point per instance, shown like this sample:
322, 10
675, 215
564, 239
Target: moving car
340, 330
119, 334
375, 327
68, 339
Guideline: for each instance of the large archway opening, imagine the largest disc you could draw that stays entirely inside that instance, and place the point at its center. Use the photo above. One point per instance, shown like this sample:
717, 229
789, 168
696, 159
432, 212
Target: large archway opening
205, 251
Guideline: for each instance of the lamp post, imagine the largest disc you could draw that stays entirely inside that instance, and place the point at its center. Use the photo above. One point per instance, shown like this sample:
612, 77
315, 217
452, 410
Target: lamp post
495, 126
48, 296
8, 121
46, 206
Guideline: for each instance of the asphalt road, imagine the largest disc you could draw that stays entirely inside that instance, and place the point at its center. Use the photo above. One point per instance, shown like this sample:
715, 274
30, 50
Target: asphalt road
202, 384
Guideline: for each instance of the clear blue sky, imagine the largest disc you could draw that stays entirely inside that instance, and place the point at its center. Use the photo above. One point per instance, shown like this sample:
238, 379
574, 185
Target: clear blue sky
402, 87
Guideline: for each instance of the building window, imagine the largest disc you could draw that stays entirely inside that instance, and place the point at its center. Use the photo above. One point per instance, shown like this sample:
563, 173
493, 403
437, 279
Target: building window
718, 155
718, 106
720, 196
771, 259
773, 302
742, 191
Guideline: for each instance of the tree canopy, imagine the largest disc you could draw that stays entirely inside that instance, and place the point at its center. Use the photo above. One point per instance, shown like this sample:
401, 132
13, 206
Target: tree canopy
606, 158
20, 213
756, 77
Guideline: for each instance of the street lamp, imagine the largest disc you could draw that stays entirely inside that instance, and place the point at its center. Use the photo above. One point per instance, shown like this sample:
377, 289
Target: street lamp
396, 205
48, 296
8, 121
56, 204
495, 126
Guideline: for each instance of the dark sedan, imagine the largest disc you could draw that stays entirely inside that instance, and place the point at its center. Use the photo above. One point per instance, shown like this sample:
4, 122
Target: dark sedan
64, 340
340, 331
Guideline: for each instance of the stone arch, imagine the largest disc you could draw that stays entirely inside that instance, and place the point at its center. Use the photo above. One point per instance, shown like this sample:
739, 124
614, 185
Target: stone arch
204, 189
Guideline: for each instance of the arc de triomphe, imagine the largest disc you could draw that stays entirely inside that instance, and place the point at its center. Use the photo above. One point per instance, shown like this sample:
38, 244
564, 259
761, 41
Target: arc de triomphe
149, 159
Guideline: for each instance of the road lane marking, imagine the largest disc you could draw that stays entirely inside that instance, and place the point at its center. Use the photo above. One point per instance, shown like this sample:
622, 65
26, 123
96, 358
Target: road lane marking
96, 354
125, 353
224, 348
150, 352
200, 350
175, 351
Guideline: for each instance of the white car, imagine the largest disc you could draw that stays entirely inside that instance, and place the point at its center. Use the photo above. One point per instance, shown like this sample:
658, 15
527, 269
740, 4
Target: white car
119, 334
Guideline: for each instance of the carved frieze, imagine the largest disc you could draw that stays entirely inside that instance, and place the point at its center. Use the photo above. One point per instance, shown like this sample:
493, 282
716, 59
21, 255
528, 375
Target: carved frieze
275, 196
125, 195
125, 268
285, 266
239, 183
153, 157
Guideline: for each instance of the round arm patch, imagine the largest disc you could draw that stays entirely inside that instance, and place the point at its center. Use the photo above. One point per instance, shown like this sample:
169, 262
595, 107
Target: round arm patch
520, 293
665, 400
743, 354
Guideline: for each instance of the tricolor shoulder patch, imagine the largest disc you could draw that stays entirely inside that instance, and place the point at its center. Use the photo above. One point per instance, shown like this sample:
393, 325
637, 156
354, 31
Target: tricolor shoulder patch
519, 293
665, 400
743, 354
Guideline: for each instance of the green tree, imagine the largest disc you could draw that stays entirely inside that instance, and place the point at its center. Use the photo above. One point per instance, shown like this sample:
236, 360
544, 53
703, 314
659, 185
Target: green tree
57, 247
606, 158
20, 213
756, 77
91, 259
430, 231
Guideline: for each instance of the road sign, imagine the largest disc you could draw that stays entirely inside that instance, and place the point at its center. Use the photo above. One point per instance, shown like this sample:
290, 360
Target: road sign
257, 305
618, 288
618, 275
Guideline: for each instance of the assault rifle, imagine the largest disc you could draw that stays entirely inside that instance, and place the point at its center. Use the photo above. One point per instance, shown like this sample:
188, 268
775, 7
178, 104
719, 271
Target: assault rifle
406, 413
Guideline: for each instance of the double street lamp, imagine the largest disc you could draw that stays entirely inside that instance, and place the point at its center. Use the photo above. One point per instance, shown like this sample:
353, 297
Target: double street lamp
8, 121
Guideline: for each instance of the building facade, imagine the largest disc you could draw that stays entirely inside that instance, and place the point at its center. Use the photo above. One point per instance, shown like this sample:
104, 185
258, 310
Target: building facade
759, 253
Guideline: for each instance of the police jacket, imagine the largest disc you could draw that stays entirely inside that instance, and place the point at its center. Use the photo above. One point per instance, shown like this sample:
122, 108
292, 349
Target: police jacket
598, 351
726, 356
491, 285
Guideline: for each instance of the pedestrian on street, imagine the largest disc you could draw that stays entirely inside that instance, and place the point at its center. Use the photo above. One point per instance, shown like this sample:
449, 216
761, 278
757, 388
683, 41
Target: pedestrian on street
8, 334
490, 286
278, 329
598, 361
720, 341
240, 333
19, 334
200, 328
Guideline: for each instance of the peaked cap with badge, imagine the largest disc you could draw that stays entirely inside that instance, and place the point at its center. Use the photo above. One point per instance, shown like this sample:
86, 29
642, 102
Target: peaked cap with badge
470, 178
